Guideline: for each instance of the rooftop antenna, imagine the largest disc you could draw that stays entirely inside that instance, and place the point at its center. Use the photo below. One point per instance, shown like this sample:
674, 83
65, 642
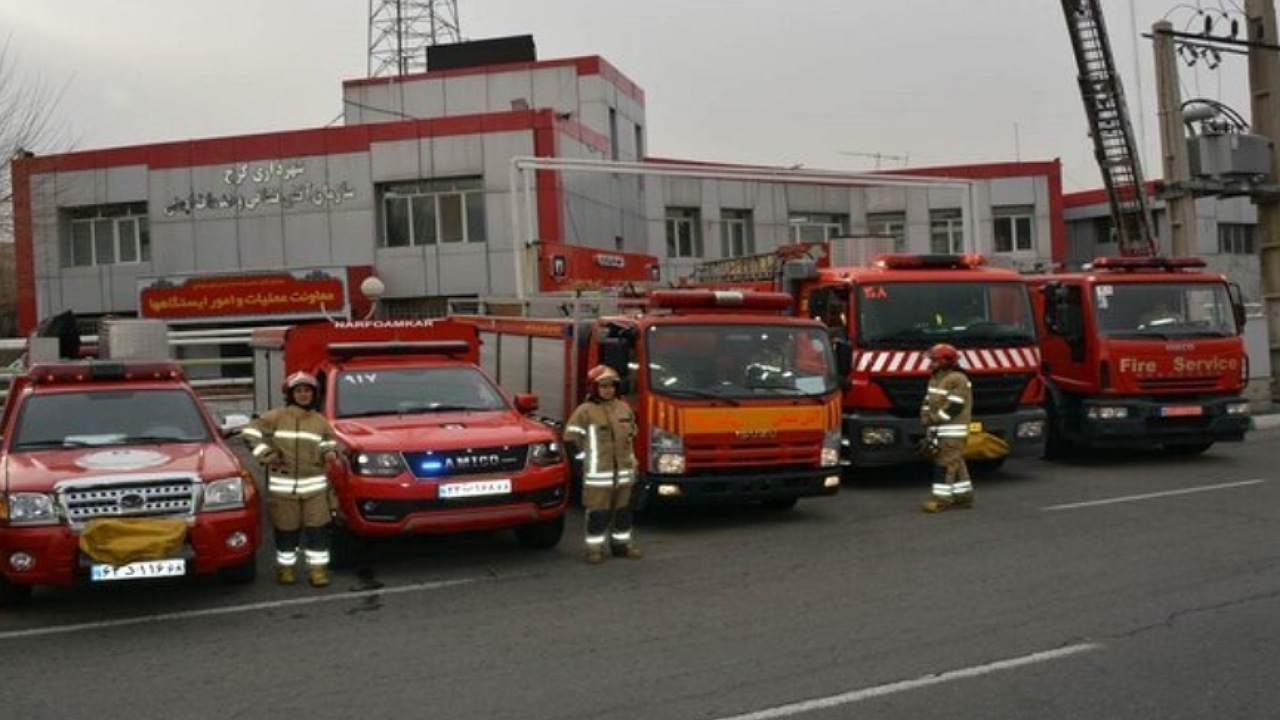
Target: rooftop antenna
400, 31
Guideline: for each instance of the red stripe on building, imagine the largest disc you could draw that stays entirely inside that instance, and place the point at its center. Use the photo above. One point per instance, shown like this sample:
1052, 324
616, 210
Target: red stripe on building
24, 243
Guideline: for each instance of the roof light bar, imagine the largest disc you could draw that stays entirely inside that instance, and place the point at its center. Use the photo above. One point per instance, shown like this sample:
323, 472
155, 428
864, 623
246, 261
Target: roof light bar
719, 299
70, 373
1146, 263
906, 261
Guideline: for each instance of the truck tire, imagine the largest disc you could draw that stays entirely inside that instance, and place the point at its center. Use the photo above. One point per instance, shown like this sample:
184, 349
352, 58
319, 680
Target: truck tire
1187, 449
13, 595
242, 574
540, 535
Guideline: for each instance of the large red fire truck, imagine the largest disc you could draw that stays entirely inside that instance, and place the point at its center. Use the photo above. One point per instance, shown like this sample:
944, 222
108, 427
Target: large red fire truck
433, 445
885, 315
736, 400
1143, 352
114, 471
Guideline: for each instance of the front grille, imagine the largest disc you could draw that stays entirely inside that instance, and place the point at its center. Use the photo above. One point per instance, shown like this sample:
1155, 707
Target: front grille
992, 394
128, 497
1191, 384
738, 455
396, 510
435, 464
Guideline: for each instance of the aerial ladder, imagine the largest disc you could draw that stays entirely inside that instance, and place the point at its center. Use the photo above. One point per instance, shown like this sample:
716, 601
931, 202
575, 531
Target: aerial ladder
1113, 141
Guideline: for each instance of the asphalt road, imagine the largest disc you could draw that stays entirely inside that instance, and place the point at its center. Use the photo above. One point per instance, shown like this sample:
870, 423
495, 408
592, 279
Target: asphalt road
1131, 586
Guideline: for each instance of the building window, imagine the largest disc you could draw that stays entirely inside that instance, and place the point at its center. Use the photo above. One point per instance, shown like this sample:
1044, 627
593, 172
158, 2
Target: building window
684, 237
735, 233
1014, 229
891, 224
117, 234
428, 212
613, 134
946, 232
1237, 239
816, 227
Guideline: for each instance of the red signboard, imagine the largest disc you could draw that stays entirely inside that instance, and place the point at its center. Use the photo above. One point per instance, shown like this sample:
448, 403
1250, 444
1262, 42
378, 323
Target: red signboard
312, 293
571, 267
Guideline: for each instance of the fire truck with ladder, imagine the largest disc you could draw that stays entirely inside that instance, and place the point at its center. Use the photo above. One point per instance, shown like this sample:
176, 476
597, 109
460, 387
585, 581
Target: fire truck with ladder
1142, 352
433, 445
736, 400
885, 315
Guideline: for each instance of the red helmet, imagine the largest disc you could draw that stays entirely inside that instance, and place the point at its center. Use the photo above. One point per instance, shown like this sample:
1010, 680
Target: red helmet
602, 373
944, 355
300, 378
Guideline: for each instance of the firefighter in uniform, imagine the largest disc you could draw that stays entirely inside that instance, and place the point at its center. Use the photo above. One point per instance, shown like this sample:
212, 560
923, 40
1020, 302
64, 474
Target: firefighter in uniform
945, 414
602, 431
295, 443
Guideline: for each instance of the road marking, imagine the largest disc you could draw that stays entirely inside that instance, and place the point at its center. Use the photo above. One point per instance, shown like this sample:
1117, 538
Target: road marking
1149, 496
235, 609
854, 696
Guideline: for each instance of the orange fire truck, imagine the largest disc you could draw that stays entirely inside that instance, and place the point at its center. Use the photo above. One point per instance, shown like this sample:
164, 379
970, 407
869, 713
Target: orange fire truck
1143, 352
433, 445
736, 400
885, 315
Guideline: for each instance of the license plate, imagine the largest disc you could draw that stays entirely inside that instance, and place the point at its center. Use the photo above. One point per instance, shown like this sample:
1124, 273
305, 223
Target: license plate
975, 427
140, 570
475, 489
1181, 410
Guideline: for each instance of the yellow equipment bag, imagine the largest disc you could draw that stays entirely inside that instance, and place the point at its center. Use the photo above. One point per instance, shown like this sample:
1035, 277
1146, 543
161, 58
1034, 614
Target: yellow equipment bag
120, 541
985, 446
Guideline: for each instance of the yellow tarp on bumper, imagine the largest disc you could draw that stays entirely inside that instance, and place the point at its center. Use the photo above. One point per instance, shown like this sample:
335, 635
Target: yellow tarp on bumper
125, 540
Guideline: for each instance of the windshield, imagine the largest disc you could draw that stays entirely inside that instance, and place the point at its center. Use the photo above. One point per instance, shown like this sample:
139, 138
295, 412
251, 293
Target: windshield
968, 314
393, 391
739, 361
1164, 310
115, 417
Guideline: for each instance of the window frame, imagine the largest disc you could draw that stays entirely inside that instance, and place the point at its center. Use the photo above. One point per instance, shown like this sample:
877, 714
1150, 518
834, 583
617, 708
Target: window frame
830, 224
946, 225
683, 218
1015, 217
893, 224
736, 236
100, 251
456, 209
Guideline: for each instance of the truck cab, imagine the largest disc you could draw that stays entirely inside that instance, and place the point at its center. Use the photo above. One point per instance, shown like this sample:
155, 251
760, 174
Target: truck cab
432, 444
96, 449
1142, 352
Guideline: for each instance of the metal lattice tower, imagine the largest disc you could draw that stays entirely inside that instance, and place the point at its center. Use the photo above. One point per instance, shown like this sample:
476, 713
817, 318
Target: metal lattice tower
400, 31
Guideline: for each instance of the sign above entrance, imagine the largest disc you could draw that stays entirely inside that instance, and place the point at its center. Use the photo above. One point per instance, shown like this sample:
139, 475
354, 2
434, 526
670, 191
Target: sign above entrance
310, 293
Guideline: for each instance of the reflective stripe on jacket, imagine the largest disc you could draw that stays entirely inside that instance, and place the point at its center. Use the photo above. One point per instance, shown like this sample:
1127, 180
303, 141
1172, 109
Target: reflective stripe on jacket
291, 442
948, 404
605, 432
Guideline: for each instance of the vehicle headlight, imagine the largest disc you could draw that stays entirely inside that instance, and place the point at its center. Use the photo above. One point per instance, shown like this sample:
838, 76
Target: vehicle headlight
666, 452
831, 449
377, 464
546, 453
1238, 408
1030, 429
225, 494
29, 509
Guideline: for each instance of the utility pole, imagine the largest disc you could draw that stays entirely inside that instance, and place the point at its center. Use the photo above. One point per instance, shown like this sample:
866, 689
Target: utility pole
1179, 201
1264, 86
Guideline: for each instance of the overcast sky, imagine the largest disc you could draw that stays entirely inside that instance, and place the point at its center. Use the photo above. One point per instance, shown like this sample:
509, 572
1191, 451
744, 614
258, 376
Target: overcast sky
826, 83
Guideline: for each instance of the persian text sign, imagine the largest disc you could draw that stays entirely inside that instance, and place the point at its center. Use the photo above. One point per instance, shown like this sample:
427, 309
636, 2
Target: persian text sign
315, 293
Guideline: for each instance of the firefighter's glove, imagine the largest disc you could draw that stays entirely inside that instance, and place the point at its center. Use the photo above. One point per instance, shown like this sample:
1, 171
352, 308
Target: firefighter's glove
929, 445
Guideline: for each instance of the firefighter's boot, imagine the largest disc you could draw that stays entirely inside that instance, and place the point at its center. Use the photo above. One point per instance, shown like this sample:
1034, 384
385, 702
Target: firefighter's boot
630, 552
318, 575
595, 555
285, 575
936, 505
963, 500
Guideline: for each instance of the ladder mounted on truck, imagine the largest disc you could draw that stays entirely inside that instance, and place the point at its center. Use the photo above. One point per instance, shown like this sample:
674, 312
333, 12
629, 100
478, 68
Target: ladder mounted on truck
1113, 141
766, 266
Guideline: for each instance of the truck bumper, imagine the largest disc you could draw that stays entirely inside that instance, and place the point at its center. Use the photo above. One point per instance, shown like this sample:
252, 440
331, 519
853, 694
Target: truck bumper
875, 440
1148, 423
214, 541
388, 507
736, 488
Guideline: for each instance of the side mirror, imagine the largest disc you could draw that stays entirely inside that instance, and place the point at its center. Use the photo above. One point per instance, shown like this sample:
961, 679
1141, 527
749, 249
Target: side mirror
1237, 305
844, 358
526, 402
1053, 307
231, 423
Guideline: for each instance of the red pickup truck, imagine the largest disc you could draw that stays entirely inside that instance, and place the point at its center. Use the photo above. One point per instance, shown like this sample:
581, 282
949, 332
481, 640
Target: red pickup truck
114, 471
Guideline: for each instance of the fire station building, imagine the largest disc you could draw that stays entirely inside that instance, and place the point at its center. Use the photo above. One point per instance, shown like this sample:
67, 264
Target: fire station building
418, 188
